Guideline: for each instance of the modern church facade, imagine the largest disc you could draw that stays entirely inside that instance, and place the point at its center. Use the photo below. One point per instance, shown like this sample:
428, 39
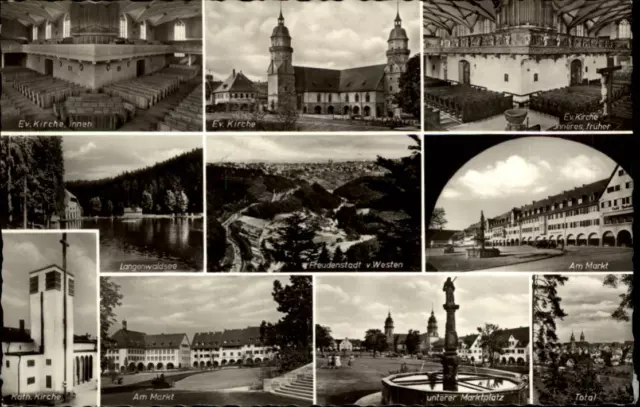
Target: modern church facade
48, 358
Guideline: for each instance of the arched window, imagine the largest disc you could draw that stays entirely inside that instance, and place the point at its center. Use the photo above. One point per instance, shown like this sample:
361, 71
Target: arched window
318, 97
34, 32
143, 31
487, 26
624, 29
47, 31
66, 26
580, 30
123, 27
367, 98
180, 31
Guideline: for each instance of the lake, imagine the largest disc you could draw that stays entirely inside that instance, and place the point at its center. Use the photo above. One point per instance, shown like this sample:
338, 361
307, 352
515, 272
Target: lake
149, 244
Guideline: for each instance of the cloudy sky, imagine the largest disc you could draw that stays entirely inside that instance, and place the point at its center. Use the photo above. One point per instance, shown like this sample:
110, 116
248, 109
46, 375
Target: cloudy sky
350, 305
324, 34
305, 148
589, 305
26, 252
95, 157
193, 303
517, 172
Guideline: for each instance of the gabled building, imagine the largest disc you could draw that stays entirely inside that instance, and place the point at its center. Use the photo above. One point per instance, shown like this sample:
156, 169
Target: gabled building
136, 351
237, 91
230, 347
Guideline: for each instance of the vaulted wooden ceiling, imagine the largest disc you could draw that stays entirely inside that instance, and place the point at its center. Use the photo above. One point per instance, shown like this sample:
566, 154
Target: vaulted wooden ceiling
153, 12
594, 14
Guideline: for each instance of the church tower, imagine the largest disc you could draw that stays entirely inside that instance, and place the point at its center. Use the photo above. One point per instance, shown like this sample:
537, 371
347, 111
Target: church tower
280, 75
52, 324
388, 329
573, 342
397, 57
582, 336
432, 326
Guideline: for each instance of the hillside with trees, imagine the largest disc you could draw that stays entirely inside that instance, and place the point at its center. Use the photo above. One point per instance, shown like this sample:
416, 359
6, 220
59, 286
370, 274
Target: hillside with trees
168, 187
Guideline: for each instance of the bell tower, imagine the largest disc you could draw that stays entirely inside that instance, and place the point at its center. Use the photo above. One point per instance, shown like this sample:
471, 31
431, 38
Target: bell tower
397, 57
388, 329
280, 75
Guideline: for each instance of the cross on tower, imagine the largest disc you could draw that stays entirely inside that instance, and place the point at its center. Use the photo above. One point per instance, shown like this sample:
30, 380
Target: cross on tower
607, 85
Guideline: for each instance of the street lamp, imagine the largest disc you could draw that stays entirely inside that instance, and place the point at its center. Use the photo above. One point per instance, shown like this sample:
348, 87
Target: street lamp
64, 391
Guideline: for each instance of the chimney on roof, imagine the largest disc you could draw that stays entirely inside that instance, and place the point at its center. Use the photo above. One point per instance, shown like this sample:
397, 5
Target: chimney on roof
22, 325
234, 73
124, 324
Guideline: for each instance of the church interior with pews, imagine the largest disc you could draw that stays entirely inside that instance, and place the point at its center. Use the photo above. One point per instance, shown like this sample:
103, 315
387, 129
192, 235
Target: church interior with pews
527, 65
101, 65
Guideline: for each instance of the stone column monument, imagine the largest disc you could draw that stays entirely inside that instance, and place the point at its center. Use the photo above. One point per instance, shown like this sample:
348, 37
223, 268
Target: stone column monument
450, 358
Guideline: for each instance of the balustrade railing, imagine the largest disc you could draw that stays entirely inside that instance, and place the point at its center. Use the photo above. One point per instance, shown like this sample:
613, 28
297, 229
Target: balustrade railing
515, 42
102, 52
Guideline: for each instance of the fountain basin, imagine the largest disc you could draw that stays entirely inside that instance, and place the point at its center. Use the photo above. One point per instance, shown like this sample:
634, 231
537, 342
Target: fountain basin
479, 253
515, 116
475, 387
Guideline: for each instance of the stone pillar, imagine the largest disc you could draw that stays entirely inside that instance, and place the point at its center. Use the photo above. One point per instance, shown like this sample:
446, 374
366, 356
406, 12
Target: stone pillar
450, 359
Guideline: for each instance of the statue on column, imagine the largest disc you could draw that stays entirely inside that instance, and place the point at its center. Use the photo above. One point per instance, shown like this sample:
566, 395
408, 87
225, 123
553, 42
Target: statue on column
449, 288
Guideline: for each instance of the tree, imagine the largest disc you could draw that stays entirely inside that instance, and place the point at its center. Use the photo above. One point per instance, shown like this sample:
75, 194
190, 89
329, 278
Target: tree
109, 207
375, 341
492, 341
323, 337
408, 98
626, 299
296, 246
338, 255
401, 242
546, 309
292, 334
147, 202
412, 341
438, 219
170, 200
96, 205
110, 298
182, 202
324, 257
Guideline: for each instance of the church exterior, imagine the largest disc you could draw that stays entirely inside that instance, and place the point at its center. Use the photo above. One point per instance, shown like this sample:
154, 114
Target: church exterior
428, 341
47, 358
366, 91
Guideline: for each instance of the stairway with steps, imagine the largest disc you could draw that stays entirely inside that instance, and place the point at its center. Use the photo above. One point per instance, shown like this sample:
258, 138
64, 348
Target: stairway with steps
300, 388
147, 120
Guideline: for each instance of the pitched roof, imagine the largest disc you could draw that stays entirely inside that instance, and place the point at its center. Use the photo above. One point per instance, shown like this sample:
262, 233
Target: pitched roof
84, 339
241, 337
236, 82
521, 334
123, 338
15, 335
469, 339
365, 78
228, 337
361, 79
163, 340
206, 340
